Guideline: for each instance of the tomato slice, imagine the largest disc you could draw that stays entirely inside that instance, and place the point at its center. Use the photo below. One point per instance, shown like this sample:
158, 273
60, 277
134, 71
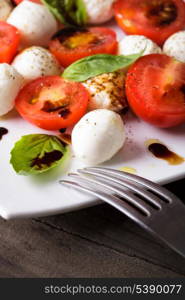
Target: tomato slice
19, 1
70, 44
156, 19
155, 89
9, 42
52, 103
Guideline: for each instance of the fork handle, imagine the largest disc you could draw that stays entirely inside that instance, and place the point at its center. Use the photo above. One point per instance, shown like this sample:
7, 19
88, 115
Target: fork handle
174, 232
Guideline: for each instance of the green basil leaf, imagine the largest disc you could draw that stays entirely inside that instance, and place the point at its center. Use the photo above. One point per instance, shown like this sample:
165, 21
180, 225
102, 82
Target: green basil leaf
37, 153
95, 65
68, 12
76, 10
56, 7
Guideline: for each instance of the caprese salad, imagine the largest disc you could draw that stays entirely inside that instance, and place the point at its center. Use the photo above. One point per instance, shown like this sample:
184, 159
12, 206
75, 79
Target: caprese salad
63, 69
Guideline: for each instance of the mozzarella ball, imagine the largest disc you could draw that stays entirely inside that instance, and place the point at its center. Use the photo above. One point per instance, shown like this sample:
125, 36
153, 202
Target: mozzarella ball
99, 11
35, 62
98, 136
175, 46
132, 44
5, 9
35, 22
107, 91
10, 84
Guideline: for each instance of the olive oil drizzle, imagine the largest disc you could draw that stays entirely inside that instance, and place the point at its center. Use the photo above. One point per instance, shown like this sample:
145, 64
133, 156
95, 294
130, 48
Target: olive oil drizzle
128, 170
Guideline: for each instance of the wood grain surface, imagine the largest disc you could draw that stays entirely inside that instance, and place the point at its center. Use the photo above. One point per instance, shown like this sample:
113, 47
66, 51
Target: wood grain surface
94, 242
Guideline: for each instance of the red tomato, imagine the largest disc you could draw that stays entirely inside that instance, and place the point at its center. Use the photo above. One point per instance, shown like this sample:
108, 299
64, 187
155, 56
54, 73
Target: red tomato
155, 88
19, 1
69, 45
9, 42
156, 19
52, 103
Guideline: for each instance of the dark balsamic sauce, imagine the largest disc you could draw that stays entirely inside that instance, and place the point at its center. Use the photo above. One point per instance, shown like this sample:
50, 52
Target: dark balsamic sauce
64, 113
47, 159
62, 130
3, 131
161, 151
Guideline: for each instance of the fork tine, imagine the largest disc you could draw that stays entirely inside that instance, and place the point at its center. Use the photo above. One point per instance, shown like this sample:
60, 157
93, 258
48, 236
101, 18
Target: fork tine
133, 187
168, 225
167, 195
110, 199
141, 205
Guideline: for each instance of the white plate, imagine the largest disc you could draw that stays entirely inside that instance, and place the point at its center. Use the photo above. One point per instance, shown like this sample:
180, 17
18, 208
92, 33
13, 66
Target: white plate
26, 196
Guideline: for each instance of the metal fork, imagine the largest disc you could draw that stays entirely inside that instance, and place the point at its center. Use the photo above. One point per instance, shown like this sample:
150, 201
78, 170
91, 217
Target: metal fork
151, 206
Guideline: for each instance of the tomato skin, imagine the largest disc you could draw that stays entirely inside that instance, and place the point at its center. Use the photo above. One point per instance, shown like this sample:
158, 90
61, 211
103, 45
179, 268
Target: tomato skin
43, 89
19, 1
66, 56
9, 42
155, 89
130, 16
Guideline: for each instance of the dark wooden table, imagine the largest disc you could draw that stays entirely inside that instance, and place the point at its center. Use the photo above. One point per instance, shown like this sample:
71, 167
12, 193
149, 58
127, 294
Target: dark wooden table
94, 242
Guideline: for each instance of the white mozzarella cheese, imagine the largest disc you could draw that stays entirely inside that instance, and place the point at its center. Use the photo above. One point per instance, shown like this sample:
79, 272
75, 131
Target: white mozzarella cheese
5, 9
10, 84
99, 11
132, 44
107, 91
98, 136
175, 46
35, 22
35, 62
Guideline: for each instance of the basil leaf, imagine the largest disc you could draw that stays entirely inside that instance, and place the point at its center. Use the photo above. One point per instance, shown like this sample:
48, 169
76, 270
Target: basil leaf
68, 12
56, 7
37, 153
94, 65
76, 10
